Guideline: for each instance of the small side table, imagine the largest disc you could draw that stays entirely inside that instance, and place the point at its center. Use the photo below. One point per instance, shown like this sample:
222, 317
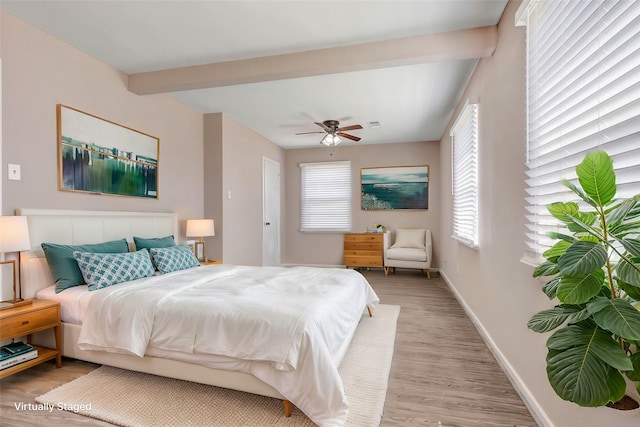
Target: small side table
210, 262
40, 315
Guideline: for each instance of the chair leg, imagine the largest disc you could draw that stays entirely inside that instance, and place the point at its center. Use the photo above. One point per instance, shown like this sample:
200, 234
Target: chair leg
386, 270
428, 274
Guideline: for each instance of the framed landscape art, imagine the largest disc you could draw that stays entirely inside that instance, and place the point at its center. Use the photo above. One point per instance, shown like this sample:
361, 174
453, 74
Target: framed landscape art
102, 157
395, 187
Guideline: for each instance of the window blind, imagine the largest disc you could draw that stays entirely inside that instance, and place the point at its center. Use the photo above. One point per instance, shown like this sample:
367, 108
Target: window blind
464, 164
326, 196
583, 89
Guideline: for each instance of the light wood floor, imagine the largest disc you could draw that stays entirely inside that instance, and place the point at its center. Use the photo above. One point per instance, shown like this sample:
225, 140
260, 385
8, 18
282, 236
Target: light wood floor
442, 372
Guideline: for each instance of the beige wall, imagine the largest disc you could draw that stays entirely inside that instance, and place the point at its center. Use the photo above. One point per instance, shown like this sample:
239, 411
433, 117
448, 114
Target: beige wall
492, 282
40, 71
326, 248
233, 159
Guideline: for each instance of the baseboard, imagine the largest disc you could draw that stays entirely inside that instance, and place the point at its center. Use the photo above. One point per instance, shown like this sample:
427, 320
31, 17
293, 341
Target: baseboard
538, 414
313, 265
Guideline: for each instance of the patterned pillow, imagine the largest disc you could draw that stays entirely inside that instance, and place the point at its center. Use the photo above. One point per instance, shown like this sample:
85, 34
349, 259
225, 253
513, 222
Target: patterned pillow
174, 258
101, 270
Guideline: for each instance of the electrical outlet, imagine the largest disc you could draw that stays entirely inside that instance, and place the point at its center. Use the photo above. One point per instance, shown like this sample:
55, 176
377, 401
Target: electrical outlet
14, 172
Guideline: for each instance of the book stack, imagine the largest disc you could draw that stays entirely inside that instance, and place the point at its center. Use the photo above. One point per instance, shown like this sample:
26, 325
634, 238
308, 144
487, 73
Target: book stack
15, 353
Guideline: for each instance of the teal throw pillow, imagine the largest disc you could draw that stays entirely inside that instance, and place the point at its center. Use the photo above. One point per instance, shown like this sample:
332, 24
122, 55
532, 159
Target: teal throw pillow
64, 268
154, 242
102, 270
174, 259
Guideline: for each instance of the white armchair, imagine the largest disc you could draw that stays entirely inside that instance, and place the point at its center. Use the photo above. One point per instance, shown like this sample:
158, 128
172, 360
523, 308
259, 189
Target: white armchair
411, 248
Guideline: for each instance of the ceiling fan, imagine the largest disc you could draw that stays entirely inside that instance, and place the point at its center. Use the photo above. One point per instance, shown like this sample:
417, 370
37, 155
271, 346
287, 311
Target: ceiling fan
334, 132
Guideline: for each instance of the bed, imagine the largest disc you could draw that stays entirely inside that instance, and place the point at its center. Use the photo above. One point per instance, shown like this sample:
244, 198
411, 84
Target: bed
297, 364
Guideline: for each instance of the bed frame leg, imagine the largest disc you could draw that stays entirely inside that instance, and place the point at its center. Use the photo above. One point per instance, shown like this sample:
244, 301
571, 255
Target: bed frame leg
369, 310
287, 408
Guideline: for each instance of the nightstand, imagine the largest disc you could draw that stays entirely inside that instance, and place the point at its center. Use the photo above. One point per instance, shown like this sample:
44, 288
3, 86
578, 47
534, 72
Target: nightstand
41, 315
210, 262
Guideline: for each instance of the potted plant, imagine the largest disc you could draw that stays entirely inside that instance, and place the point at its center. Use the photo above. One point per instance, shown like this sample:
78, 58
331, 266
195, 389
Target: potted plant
594, 271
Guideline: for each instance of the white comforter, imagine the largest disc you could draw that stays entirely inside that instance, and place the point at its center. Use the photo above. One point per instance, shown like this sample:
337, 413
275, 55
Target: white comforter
289, 321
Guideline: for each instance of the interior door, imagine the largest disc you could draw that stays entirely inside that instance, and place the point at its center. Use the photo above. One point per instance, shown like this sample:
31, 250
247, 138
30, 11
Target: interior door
270, 212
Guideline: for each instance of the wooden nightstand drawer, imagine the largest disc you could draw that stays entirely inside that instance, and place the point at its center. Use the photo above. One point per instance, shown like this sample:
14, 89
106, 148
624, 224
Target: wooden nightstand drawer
29, 322
27, 319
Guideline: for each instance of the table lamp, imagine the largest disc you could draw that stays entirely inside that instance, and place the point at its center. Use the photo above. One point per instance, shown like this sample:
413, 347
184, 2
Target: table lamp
200, 228
14, 237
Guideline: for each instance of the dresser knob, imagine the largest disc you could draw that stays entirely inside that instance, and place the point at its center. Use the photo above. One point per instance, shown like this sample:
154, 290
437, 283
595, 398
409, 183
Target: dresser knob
25, 322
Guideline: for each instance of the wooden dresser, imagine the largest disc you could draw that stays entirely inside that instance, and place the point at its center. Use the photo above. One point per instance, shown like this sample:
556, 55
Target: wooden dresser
363, 249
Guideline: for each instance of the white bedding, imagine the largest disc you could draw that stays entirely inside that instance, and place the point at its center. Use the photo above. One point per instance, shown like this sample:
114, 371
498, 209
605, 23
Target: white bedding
73, 301
288, 322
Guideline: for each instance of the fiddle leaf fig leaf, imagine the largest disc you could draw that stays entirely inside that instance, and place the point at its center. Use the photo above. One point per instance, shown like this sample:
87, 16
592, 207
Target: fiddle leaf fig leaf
632, 246
579, 192
617, 385
579, 220
554, 252
582, 258
545, 269
551, 288
632, 291
560, 236
563, 211
548, 320
576, 368
616, 315
620, 213
629, 272
579, 289
597, 177
634, 374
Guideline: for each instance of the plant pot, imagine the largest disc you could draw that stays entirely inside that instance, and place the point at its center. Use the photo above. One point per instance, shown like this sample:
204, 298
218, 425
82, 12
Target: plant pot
627, 403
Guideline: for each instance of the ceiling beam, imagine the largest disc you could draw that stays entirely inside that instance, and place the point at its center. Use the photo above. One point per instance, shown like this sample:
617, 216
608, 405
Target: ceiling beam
455, 45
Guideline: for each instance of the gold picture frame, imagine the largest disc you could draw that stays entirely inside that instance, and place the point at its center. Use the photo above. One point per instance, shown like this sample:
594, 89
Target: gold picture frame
99, 156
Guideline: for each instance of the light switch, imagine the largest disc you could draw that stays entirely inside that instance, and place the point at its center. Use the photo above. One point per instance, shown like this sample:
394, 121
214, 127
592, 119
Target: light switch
229, 194
14, 172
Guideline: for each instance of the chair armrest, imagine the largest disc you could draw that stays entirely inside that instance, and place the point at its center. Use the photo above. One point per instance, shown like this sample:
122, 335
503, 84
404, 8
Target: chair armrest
428, 245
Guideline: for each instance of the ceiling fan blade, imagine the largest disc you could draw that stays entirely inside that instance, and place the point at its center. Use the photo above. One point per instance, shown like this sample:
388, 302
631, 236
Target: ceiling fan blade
351, 137
323, 126
305, 133
352, 127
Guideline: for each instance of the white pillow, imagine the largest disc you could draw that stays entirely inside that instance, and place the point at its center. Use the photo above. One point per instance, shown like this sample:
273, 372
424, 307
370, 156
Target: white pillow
409, 238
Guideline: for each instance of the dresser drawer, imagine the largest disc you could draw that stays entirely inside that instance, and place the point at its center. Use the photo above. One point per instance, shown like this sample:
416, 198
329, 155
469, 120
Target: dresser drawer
363, 261
362, 246
28, 322
363, 237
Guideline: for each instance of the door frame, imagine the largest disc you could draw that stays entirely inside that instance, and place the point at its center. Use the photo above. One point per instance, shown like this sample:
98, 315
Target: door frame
278, 205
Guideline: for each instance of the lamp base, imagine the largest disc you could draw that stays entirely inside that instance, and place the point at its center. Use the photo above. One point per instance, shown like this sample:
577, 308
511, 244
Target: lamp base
5, 305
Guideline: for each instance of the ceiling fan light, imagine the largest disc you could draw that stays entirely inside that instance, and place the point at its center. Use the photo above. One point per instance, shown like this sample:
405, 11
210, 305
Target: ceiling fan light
327, 140
336, 140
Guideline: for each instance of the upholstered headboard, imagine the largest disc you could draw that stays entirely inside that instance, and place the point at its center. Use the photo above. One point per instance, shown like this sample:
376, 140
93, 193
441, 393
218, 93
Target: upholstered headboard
69, 227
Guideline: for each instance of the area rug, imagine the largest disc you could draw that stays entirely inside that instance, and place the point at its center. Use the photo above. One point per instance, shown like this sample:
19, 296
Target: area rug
130, 398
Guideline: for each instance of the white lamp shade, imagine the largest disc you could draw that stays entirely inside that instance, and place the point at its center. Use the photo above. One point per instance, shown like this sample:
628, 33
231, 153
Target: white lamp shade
14, 234
200, 228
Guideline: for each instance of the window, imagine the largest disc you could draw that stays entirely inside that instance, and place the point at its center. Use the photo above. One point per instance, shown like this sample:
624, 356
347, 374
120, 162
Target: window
464, 164
583, 90
325, 196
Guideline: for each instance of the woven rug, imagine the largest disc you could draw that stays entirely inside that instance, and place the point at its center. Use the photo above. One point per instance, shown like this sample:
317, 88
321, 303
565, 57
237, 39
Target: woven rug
130, 398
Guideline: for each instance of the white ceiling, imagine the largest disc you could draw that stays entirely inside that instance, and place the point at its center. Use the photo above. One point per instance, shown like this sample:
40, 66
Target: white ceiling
411, 102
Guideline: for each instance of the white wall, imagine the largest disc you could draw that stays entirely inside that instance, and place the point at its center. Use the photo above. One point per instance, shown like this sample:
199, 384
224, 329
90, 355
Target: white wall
492, 282
40, 71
